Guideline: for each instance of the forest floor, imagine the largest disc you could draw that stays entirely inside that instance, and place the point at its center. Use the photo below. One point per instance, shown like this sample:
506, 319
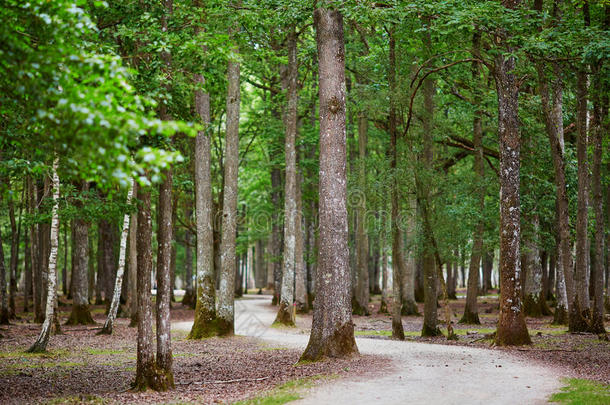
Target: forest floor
84, 368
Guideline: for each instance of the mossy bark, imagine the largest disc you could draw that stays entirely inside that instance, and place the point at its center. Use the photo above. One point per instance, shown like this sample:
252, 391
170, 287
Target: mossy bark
409, 308
285, 315
358, 309
535, 306
80, 315
560, 317
338, 345
470, 318
428, 331
151, 376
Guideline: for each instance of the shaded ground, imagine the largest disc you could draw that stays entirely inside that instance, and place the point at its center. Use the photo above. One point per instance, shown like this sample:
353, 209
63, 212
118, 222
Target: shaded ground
83, 367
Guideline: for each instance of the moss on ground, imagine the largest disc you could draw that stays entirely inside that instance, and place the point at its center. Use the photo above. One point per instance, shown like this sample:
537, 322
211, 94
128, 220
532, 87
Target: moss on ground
582, 392
287, 392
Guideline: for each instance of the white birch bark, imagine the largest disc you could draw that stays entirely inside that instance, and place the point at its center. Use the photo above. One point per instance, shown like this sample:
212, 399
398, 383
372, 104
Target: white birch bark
41, 343
118, 282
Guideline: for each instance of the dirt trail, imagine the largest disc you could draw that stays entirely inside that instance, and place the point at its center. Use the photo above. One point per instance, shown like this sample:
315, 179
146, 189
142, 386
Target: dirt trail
422, 373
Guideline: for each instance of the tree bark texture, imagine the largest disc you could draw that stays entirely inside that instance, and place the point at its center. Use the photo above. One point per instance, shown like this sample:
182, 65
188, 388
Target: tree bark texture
332, 332
41, 343
362, 240
116, 296
285, 315
226, 310
512, 329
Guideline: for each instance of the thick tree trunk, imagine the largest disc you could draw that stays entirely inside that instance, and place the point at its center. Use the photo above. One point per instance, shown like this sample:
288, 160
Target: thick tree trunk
41, 343
226, 310
362, 240
512, 329
332, 332
80, 270
285, 315
205, 323
118, 284
165, 227
147, 374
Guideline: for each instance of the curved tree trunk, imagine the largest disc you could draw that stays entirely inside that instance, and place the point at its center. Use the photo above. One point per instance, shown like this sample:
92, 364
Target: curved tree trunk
41, 343
332, 331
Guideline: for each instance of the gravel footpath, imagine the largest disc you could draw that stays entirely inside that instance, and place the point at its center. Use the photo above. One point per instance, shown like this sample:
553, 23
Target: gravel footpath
419, 373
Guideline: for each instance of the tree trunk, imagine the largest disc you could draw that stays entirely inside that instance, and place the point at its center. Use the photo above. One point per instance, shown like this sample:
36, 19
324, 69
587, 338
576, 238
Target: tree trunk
4, 314
27, 268
383, 308
362, 240
431, 274
285, 315
34, 251
226, 310
471, 310
188, 299
80, 270
398, 261
300, 294
118, 284
332, 332
598, 128
579, 310
205, 323
147, 374
512, 329
276, 239
534, 303
15, 238
409, 306
133, 265
41, 343
165, 228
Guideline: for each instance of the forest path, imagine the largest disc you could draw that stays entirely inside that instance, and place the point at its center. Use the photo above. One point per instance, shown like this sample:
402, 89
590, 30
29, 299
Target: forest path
420, 373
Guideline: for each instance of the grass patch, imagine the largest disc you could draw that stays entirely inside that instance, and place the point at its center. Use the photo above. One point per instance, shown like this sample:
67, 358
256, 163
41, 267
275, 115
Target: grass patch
13, 354
287, 392
373, 333
105, 351
579, 391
